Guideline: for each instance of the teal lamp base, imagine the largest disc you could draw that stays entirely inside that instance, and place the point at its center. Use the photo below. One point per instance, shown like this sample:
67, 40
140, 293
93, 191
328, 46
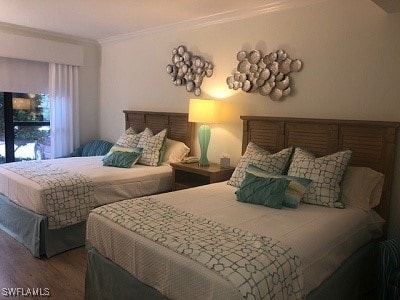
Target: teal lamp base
204, 135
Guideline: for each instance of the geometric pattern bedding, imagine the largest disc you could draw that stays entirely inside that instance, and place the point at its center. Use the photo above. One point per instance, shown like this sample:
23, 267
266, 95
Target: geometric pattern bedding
259, 267
68, 196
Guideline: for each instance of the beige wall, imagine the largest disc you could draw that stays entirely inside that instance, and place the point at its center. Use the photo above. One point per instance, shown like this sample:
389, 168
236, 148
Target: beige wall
351, 71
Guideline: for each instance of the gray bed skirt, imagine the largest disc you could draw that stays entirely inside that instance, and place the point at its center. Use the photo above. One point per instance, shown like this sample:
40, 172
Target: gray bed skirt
106, 280
31, 230
356, 278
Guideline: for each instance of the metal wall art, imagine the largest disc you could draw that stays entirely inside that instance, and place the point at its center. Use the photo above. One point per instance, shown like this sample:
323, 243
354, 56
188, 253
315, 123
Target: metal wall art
269, 75
188, 70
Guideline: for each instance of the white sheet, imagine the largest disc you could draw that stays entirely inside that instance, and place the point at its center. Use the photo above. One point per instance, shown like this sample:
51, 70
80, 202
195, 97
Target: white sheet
322, 237
110, 184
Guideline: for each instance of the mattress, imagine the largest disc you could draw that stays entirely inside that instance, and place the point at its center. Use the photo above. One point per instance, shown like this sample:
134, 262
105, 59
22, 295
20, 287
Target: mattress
322, 237
110, 184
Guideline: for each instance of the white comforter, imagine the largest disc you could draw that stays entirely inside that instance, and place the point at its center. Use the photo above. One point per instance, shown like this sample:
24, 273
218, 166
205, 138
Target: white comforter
322, 237
110, 184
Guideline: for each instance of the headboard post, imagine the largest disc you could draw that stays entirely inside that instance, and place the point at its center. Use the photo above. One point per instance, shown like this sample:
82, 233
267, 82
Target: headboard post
245, 137
373, 143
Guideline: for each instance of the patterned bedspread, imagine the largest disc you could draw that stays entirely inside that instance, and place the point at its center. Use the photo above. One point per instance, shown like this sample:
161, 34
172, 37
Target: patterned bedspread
68, 196
259, 267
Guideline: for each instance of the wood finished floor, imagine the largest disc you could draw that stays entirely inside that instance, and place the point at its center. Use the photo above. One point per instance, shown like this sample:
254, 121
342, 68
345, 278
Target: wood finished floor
63, 274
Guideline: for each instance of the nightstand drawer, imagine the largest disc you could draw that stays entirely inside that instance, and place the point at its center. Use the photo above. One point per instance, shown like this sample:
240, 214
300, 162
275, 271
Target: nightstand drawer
186, 179
192, 175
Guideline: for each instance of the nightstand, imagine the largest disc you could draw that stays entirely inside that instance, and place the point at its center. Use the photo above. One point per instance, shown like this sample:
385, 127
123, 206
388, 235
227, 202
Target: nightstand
191, 175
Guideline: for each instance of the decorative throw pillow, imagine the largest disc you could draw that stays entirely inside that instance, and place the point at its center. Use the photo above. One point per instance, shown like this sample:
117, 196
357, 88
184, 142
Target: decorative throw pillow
294, 191
362, 187
325, 172
129, 138
271, 163
151, 145
123, 149
175, 151
263, 191
93, 148
121, 158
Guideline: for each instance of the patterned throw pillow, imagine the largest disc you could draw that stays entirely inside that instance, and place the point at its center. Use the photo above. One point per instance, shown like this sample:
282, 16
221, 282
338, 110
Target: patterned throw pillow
151, 145
294, 191
129, 138
271, 163
326, 174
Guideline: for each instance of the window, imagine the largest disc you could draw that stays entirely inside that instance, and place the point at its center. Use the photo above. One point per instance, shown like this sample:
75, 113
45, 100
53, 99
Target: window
24, 126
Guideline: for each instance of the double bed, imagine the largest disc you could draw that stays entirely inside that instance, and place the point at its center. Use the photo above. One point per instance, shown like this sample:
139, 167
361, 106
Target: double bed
26, 215
169, 245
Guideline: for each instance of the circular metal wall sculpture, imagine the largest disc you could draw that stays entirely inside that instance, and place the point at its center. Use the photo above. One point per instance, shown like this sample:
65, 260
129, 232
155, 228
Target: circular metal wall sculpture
269, 74
189, 70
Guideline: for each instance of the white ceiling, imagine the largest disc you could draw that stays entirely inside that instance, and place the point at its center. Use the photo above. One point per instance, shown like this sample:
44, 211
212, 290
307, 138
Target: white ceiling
106, 19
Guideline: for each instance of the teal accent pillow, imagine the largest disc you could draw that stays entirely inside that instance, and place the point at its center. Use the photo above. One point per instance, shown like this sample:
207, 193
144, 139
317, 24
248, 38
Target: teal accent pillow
93, 148
295, 190
122, 159
263, 191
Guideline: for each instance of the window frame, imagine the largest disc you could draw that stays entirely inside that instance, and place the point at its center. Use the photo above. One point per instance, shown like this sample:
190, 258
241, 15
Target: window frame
9, 125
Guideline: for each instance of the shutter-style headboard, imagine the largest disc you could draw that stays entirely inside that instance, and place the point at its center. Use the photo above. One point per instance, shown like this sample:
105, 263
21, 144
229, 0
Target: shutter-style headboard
177, 124
373, 142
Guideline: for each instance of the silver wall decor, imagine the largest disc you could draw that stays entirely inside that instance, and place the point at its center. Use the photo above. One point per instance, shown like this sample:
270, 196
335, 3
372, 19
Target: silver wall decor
188, 70
268, 75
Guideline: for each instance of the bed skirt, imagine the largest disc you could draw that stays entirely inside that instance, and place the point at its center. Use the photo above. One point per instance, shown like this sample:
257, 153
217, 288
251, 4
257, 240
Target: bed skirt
356, 278
31, 230
106, 280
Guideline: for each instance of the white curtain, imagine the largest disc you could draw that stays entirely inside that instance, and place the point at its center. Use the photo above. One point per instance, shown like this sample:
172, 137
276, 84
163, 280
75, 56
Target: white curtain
64, 107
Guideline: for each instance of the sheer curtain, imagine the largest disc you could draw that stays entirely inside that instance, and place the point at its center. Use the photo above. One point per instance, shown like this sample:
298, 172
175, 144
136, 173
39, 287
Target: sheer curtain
64, 107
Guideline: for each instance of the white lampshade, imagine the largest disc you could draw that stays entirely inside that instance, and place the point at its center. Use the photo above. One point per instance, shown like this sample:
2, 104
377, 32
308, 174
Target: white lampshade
203, 111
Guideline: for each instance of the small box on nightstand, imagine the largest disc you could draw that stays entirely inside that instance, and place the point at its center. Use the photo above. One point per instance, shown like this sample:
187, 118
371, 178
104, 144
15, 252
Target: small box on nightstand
225, 162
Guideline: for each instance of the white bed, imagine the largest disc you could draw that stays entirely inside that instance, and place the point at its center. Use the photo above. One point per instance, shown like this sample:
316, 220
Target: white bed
110, 184
295, 227
336, 247
25, 216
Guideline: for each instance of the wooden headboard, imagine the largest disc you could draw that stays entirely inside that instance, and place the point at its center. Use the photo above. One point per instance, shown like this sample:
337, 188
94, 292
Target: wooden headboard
373, 143
179, 128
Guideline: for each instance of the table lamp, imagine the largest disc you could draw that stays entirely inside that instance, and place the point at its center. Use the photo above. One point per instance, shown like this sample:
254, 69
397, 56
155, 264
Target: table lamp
204, 112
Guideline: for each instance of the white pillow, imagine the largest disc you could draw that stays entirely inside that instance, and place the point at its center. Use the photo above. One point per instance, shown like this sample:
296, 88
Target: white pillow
362, 187
174, 151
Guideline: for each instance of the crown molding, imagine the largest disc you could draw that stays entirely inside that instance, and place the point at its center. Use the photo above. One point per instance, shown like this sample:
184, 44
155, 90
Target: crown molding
44, 34
219, 18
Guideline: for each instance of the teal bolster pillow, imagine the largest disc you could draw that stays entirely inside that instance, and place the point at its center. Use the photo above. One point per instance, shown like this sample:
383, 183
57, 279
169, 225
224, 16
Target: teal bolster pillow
263, 191
295, 190
122, 159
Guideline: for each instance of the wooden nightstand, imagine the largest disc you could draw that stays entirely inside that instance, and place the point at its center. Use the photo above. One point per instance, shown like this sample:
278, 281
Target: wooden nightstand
191, 175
